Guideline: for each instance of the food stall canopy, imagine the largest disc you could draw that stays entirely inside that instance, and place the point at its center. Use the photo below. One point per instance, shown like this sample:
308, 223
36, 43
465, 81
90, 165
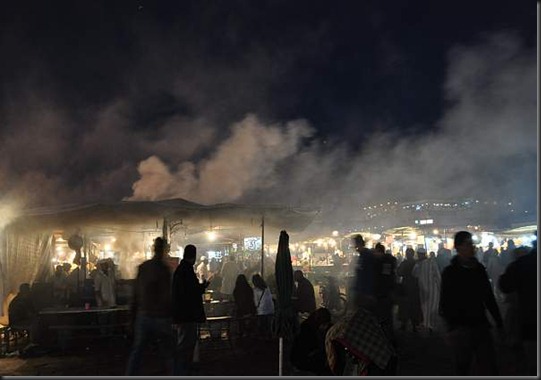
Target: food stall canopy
27, 242
145, 214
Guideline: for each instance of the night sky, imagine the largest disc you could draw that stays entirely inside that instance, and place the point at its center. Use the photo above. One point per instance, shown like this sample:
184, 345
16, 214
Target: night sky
304, 103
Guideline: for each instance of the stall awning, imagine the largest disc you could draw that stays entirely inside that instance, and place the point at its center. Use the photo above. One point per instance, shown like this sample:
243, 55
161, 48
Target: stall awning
142, 214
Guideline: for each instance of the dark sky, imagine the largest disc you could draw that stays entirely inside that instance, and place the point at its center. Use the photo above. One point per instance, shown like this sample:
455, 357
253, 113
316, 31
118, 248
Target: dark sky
248, 100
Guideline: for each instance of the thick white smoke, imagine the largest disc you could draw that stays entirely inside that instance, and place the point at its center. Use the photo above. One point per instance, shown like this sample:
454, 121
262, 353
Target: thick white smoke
245, 161
484, 145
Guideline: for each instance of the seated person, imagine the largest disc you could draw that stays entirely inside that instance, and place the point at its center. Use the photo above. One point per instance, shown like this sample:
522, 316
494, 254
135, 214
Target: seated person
304, 295
308, 351
22, 314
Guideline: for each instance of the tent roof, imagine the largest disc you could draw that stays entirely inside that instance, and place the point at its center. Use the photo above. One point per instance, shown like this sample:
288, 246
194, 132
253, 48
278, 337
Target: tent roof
150, 214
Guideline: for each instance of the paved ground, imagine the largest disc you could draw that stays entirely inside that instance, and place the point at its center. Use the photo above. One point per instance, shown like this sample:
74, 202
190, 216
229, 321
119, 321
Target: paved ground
420, 354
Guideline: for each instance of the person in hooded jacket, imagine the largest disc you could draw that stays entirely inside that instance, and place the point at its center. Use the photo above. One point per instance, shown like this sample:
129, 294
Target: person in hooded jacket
466, 295
188, 310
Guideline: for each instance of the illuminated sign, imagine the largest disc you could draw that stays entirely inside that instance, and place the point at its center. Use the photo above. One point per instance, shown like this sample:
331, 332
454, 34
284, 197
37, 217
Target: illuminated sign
252, 243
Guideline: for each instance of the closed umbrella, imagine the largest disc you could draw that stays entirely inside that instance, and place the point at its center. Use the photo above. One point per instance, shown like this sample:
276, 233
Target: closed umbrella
285, 320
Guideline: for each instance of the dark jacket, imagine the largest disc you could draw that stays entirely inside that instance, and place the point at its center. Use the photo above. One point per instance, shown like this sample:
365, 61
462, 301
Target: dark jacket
21, 310
306, 298
187, 295
152, 293
364, 273
466, 294
521, 277
308, 349
384, 275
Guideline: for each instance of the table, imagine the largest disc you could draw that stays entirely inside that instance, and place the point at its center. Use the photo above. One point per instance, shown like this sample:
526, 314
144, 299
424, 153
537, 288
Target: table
218, 308
81, 310
216, 329
64, 324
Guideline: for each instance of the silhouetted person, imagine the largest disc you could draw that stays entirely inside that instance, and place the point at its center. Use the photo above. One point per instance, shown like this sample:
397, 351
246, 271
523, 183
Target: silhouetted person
229, 272
507, 254
488, 253
264, 304
60, 285
151, 307
521, 277
22, 313
399, 258
338, 262
188, 310
364, 275
304, 292
308, 351
384, 286
466, 295
443, 257
245, 309
409, 302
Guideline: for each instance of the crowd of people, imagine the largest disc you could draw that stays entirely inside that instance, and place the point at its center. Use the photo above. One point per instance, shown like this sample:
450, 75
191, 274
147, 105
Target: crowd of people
453, 294
444, 293
169, 306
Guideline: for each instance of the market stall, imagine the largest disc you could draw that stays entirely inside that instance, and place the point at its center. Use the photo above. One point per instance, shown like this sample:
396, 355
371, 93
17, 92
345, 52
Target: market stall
37, 240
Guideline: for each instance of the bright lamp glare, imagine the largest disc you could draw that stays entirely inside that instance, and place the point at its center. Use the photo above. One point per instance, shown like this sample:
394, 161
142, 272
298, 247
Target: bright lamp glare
211, 235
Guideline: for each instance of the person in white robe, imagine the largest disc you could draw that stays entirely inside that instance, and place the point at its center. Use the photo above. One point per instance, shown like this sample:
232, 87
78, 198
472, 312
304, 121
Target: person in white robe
429, 277
105, 284
229, 273
202, 271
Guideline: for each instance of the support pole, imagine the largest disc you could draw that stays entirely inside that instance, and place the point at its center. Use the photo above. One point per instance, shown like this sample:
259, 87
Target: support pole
281, 356
262, 246
165, 229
